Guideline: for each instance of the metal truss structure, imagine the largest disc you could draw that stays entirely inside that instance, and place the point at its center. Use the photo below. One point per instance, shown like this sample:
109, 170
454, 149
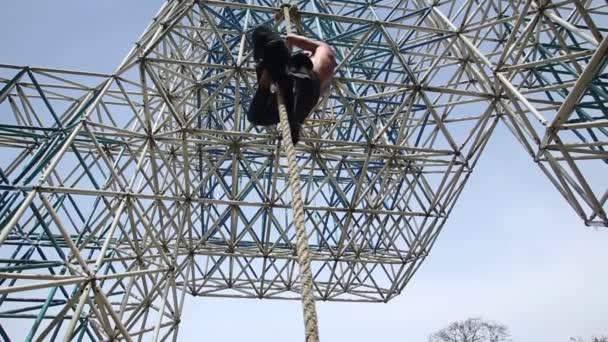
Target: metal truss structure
556, 78
122, 193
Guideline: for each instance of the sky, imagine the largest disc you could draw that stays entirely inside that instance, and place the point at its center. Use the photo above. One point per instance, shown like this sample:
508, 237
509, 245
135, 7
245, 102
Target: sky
512, 251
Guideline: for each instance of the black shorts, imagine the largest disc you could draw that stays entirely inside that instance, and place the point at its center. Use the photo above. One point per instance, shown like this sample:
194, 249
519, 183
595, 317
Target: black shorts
299, 84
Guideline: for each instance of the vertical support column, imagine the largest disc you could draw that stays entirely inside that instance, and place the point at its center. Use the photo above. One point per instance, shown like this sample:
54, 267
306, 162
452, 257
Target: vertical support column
308, 303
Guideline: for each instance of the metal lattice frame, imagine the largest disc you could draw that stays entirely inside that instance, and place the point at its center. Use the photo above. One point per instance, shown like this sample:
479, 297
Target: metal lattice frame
123, 193
554, 70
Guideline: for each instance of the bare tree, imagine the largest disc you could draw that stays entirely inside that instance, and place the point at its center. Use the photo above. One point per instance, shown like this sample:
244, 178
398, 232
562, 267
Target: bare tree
593, 339
472, 330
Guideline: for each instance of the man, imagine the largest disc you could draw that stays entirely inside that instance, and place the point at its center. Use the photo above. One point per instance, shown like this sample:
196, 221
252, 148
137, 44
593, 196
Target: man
302, 77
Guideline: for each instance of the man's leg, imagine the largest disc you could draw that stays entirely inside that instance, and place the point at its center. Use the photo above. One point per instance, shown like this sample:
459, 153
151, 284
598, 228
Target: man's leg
306, 94
263, 108
304, 101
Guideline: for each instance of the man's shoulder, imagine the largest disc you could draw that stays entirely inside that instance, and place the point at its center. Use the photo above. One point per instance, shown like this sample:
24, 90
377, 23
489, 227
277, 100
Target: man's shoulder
328, 51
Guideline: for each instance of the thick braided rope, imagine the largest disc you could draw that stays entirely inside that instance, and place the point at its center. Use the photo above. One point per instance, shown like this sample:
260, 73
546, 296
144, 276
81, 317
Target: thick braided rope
310, 311
308, 303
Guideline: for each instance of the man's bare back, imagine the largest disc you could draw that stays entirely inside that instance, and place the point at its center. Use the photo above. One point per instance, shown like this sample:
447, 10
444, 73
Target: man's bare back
322, 56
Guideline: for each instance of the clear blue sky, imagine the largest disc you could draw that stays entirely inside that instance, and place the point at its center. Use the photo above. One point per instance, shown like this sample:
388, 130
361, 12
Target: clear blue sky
513, 251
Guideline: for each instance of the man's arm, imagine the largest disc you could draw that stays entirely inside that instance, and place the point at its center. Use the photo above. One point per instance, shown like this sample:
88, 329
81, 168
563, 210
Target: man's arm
303, 42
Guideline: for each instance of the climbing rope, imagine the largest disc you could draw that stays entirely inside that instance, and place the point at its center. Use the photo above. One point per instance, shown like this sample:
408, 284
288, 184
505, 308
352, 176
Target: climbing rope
308, 303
